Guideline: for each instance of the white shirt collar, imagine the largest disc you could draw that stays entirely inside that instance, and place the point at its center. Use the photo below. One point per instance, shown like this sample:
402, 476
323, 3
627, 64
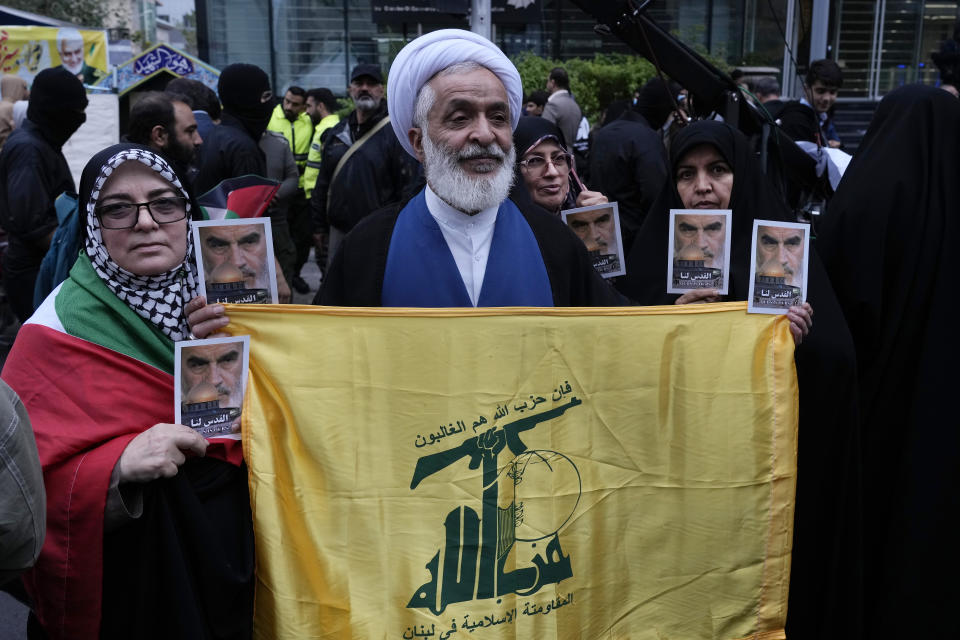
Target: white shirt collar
468, 238
558, 92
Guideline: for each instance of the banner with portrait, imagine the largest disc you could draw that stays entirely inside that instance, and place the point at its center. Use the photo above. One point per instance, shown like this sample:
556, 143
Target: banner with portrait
520, 473
26, 51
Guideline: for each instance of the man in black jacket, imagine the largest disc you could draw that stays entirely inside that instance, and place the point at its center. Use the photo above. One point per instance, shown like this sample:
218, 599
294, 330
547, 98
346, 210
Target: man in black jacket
629, 166
232, 148
33, 173
376, 173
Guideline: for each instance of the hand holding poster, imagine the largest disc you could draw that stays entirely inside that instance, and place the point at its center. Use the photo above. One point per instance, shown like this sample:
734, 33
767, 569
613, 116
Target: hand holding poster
698, 256
599, 228
779, 258
210, 380
235, 260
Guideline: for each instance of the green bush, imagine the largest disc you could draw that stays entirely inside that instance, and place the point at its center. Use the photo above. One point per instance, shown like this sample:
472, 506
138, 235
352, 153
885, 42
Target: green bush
598, 81
595, 82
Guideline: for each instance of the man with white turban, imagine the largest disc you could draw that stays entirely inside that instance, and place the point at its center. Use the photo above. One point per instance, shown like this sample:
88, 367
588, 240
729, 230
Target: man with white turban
454, 100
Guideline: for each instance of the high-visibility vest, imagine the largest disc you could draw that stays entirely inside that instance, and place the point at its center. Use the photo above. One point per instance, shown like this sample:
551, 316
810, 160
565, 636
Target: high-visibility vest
298, 133
313, 158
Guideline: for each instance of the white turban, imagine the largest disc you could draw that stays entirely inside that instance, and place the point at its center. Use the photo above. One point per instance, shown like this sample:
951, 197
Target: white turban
422, 58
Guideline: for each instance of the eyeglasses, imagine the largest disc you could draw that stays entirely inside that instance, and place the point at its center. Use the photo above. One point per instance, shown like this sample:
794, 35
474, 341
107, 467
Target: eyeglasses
124, 215
538, 164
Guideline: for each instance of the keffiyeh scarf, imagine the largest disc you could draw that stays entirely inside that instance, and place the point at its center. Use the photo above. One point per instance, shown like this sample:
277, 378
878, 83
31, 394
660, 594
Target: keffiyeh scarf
159, 299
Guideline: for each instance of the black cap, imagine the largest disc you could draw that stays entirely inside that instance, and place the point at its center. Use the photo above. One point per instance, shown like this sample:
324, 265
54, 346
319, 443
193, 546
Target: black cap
372, 70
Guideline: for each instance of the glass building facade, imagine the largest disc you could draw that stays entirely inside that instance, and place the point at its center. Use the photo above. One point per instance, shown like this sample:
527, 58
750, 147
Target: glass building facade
881, 44
885, 44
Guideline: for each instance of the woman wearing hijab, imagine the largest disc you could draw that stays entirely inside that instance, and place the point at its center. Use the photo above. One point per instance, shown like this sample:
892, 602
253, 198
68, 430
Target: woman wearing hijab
149, 532
889, 244
12, 89
825, 582
545, 168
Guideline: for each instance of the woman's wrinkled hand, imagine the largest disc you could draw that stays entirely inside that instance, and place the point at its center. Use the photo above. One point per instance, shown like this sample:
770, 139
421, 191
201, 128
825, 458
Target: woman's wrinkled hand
699, 296
801, 321
205, 321
158, 452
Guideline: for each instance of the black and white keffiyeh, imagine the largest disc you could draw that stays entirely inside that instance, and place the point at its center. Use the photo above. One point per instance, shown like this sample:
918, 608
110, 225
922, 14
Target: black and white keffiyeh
159, 299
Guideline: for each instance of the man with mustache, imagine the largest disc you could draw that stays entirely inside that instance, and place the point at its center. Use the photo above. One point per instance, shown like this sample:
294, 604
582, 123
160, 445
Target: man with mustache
705, 232
244, 246
597, 229
783, 245
218, 364
455, 99
362, 165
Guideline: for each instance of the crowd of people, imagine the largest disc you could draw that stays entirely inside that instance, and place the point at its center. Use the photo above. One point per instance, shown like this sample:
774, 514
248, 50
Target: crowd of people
444, 189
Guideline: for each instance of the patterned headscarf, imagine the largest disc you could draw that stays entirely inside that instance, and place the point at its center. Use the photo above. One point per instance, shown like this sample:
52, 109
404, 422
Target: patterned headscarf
159, 299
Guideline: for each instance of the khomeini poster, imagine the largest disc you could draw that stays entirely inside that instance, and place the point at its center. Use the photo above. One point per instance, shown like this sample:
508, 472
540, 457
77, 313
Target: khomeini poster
520, 473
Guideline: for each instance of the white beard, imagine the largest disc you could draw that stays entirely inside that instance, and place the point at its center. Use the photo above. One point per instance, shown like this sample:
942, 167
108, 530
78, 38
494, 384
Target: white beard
366, 104
464, 192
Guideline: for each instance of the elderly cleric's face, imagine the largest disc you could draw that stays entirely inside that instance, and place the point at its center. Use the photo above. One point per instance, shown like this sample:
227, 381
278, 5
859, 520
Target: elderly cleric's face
785, 246
707, 233
597, 230
471, 109
243, 245
467, 145
218, 364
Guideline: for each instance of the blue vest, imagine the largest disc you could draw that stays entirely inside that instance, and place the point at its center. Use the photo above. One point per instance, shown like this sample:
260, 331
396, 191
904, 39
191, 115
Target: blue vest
421, 271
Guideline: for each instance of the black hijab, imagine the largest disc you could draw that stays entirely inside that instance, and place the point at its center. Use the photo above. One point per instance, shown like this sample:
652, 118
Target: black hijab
888, 239
530, 129
825, 579
57, 103
889, 242
752, 197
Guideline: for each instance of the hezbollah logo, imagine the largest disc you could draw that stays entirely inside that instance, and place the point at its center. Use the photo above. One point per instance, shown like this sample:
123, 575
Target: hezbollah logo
472, 563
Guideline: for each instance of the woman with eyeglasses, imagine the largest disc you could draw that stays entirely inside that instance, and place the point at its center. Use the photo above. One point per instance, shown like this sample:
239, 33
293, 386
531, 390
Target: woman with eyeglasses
149, 533
546, 170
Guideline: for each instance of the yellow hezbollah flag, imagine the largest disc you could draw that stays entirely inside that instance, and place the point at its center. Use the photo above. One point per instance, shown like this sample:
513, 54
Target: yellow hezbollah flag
520, 473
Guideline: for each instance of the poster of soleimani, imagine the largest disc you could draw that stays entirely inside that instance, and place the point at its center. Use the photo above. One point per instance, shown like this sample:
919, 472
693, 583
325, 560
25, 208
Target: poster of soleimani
26, 51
